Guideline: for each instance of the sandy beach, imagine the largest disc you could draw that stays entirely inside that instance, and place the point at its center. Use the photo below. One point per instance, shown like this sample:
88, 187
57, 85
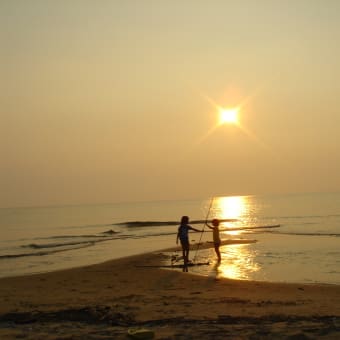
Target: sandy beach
104, 301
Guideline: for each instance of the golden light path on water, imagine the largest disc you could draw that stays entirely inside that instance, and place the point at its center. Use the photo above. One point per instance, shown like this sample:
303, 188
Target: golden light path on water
238, 261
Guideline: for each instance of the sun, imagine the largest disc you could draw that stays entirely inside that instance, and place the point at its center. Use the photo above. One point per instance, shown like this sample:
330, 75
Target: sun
228, 115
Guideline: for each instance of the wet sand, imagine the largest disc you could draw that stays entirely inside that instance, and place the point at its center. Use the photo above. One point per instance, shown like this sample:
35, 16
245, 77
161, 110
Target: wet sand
104, 301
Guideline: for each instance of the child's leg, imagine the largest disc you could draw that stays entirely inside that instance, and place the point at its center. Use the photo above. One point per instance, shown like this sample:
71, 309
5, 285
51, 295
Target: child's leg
183, 251
218, 253
185, 258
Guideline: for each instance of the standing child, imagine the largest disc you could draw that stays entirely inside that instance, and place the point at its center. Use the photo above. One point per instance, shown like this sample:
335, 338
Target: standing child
183, 236
216, 237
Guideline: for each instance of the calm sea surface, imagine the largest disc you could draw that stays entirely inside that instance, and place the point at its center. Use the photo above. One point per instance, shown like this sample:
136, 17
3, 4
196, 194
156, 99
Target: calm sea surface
305, 248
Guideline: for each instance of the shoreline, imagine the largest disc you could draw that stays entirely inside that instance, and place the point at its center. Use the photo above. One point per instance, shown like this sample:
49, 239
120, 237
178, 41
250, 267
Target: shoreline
177, 248
106, 300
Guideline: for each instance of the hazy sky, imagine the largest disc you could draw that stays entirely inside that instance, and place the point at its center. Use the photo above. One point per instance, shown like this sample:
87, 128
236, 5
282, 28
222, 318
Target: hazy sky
108, 101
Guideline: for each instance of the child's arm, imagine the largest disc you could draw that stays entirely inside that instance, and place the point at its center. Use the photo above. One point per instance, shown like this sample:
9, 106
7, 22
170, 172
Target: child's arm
209, 226
192, 228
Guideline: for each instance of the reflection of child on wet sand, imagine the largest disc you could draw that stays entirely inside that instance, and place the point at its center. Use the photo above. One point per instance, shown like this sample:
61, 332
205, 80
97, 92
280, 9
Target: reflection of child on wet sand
216, 236
183, 236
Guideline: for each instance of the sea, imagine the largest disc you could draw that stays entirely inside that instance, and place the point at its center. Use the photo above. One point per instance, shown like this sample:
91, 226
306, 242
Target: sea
276, 238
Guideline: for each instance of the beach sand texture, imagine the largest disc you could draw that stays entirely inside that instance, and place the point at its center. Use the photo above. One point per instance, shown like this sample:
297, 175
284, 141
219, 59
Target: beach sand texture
104, 301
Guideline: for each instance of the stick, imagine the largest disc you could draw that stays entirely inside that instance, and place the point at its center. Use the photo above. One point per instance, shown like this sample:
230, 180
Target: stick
249, 228
206, 220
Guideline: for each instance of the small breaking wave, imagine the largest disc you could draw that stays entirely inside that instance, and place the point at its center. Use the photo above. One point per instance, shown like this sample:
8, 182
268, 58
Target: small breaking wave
56, 245
304, 234
165, 223
82, 241
41, 253
107, 233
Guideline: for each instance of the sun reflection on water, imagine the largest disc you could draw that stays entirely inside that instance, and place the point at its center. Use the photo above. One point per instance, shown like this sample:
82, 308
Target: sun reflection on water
232, 208
238, 260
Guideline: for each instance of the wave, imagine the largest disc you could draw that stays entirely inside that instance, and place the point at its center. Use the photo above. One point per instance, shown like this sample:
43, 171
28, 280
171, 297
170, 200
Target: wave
304, 234
104, 236
101, 225
166, 223
107, 233
55, 247
42, 253
302, 216
42, 249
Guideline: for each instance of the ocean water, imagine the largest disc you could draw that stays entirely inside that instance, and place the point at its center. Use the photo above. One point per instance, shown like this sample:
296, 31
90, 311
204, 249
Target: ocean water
297, 236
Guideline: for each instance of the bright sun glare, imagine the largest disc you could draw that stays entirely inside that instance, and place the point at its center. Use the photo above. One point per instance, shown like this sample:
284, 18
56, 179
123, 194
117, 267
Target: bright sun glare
229, 115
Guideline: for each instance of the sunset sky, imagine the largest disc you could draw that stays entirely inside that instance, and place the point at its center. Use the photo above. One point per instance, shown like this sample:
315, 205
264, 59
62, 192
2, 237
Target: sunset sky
115, 101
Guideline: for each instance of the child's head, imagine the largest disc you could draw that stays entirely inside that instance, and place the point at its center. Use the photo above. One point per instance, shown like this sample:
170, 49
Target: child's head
185, 220
215, 222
